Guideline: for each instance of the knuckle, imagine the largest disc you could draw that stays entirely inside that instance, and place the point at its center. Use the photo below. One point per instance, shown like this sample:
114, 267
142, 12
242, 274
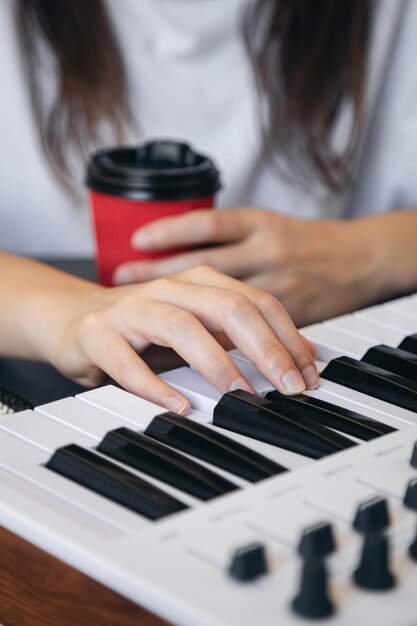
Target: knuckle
161, 284
272, 352
90, 324
276, 254
221, 370
269, 305
202, 270
92, 376
122, 370
235, 305
298, 348
178, 322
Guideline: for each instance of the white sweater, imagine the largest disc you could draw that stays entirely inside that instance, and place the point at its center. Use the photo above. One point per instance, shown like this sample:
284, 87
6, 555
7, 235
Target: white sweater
190, 78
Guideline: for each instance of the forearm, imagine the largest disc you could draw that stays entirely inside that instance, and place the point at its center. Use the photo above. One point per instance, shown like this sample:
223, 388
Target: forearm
394, 241
33, 298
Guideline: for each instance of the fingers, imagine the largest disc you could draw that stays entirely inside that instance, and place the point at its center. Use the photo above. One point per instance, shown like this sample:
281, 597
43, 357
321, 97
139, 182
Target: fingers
180, 329
278, 357
236, 260
181, 312
277, 319
193, 228
111, 353
310, 346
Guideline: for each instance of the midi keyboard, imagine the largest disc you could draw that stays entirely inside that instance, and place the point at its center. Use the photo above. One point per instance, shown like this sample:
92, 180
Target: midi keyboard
252, 509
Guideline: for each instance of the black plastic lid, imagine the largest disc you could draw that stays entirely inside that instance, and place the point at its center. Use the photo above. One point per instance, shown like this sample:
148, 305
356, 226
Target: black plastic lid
158, 170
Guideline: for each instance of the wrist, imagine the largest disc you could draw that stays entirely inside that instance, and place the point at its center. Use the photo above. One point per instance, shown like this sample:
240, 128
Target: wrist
49, 312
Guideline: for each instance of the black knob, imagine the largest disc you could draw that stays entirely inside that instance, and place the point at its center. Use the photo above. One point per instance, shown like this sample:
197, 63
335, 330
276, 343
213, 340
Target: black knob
249, 562
317, 541
410, 497
372, 516
373, 571
410, 501
413, 460
313, 598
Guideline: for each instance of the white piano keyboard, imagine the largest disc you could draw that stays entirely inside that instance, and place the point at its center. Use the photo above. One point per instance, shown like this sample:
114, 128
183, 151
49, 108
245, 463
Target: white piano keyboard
236, 540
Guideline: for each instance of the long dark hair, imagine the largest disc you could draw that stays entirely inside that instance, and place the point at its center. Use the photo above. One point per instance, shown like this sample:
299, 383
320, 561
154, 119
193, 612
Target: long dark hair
309, 58
92, 91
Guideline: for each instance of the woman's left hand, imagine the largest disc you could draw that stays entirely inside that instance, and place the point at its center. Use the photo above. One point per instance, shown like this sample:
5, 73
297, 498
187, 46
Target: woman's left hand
318, 269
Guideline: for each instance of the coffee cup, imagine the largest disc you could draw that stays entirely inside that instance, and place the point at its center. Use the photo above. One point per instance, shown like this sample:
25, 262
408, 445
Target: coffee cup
132, 186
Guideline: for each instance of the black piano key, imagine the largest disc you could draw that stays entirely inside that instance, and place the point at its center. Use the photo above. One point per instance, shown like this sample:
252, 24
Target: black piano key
330, 415
113, 482
207, 444
258, 418
393, 360
156, 459
409, 344
372, 381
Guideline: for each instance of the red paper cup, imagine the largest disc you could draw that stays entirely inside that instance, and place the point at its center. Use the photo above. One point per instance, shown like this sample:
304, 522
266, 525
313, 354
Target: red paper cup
130, 187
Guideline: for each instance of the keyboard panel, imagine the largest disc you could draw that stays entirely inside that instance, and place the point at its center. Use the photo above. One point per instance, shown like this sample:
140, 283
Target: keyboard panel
186, 567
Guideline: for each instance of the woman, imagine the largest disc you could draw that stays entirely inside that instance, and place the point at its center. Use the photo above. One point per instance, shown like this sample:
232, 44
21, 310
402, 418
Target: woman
339, 92
332, 166
79, 75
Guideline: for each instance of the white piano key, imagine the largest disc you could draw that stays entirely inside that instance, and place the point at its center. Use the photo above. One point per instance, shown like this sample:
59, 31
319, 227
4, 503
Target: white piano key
332, 343
194, 386
96, 423
396, 319
406, 305
43, 432
259, 383
412, 298
110, 398
126, 410
368, 329
322, 393
49, 435
336, 391
237, 355
75, 515
197, 382
84, 417
27, 462
288, 459
200, 392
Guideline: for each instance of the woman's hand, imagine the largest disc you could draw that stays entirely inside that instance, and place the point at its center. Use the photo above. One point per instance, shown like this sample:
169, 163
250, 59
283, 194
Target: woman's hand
87, 331
317, 269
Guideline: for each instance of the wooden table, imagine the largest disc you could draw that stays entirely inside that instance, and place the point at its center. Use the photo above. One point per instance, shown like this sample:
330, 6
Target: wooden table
37, 589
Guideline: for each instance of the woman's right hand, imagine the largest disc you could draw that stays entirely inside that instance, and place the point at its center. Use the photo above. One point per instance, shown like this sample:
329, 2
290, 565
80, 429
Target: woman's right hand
87, 331
103, 331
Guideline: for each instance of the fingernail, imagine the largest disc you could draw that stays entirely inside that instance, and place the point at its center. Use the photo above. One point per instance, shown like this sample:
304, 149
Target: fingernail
141, 240
241, 383
292, 382
123, 276
176, 405
311, 376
